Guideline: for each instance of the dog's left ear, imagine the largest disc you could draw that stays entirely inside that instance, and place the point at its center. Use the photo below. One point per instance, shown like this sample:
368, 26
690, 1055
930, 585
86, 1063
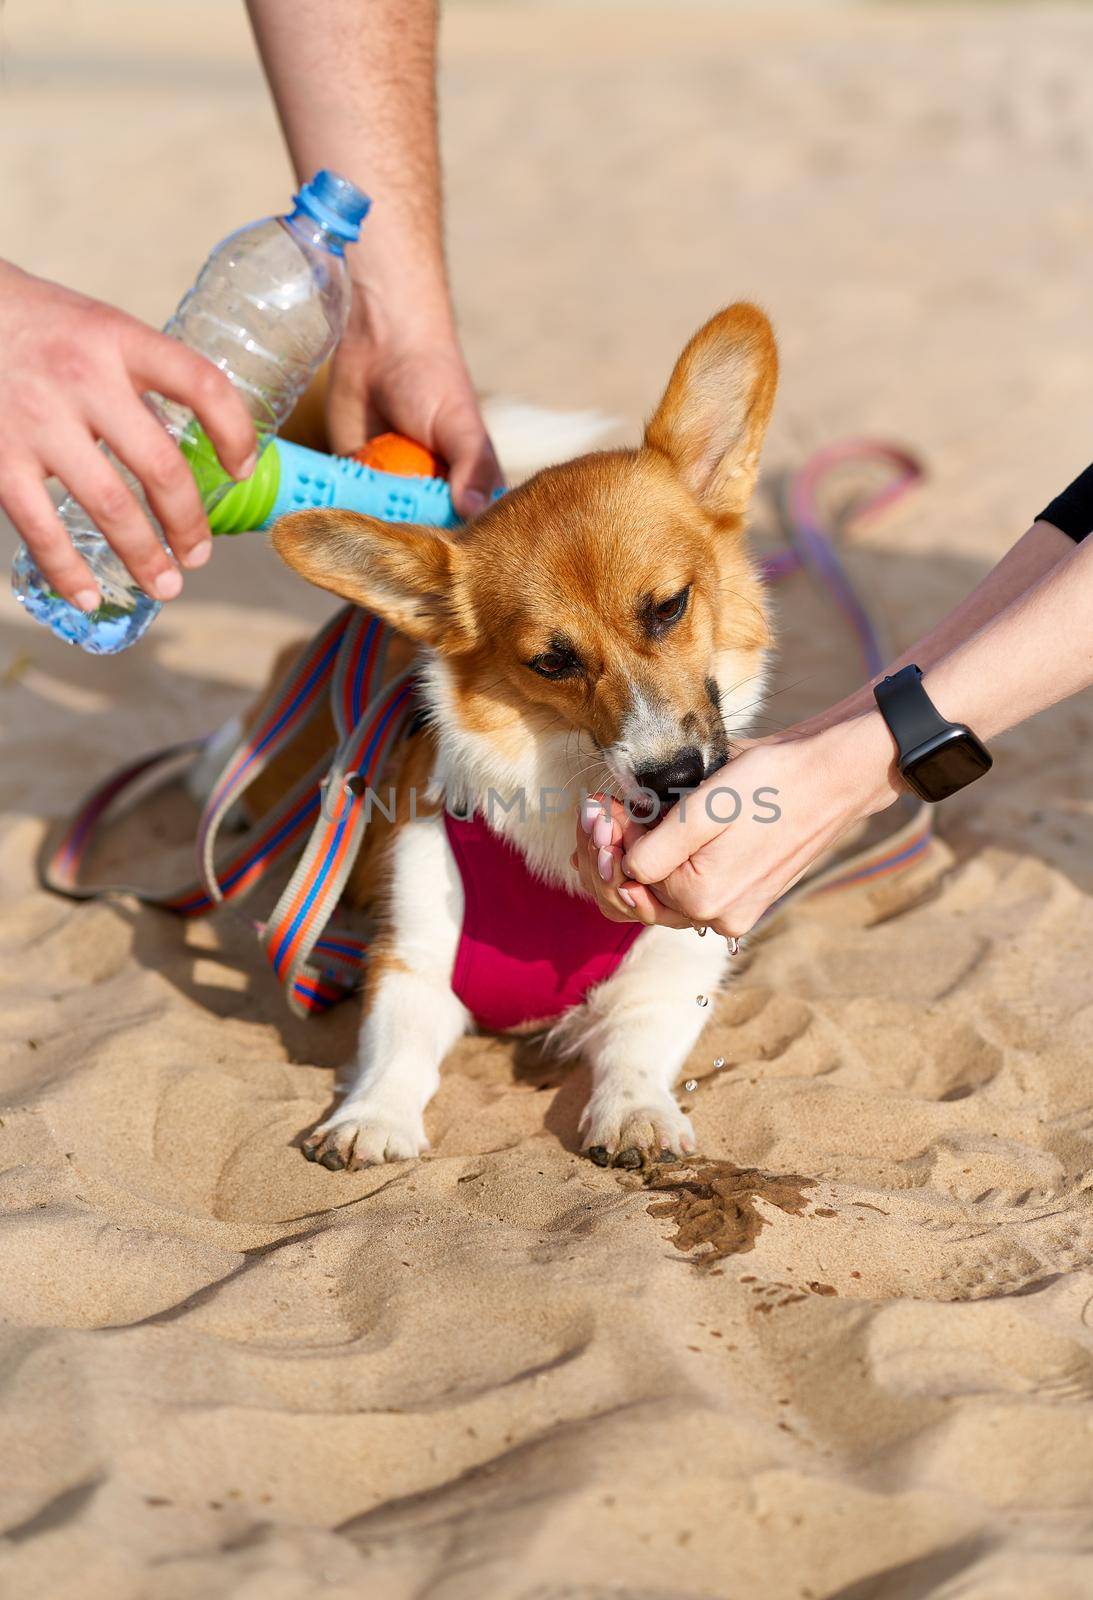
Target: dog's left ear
711, 421
405, 574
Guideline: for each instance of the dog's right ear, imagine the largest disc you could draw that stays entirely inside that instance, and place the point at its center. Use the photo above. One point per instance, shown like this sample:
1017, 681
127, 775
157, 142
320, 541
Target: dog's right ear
405, 574
711, 421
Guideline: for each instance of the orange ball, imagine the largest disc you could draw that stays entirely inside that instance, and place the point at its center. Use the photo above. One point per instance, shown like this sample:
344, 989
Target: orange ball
392, 452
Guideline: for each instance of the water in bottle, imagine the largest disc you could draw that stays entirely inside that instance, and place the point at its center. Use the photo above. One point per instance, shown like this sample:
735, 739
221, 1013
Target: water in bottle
268, 307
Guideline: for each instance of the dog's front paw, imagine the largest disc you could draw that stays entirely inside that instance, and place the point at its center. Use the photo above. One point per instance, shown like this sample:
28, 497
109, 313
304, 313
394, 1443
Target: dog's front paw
615, 1131
360, 1135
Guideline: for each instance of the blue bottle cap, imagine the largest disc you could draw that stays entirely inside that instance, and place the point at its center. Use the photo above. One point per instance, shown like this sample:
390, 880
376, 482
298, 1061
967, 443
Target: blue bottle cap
335, 202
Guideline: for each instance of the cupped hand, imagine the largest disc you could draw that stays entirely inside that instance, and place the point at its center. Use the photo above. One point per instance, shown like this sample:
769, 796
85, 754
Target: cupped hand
605, 831
754, 828
723, 857
416, 384
74, 372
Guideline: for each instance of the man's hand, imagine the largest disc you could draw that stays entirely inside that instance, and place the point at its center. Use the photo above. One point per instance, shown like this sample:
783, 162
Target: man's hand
73, 372
421, 389
355, 87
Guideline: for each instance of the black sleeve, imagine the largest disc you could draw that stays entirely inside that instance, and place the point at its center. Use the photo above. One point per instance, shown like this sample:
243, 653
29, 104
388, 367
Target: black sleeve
1072, 511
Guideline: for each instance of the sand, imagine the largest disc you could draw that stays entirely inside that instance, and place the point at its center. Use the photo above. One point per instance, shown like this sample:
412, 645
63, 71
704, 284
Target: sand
499, 1371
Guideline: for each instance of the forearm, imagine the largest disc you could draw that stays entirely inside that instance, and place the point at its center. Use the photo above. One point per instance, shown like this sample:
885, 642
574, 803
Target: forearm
354, 82
1036, 553
1036, 652
1028, 656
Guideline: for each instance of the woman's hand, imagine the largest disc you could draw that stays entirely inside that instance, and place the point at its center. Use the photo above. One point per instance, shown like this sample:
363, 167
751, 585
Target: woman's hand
725, 855
605, 831
74, 371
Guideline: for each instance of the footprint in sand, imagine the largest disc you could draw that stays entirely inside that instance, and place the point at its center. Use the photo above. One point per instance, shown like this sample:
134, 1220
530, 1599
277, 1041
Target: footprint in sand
978, 1170
987, 1348
997, 1240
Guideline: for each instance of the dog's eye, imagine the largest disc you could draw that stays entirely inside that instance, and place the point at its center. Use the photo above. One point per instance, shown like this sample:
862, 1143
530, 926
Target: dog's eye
554, 664
664, 613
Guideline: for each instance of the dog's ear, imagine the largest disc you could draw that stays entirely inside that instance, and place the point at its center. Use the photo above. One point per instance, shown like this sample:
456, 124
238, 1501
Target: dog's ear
711, 421
405, 574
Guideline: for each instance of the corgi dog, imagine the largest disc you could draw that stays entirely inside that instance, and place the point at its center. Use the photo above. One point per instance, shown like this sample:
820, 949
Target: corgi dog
600, 627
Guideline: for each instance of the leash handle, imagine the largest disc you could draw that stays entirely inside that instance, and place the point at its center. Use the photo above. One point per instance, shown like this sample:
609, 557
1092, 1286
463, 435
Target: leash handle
286, 711
59, 870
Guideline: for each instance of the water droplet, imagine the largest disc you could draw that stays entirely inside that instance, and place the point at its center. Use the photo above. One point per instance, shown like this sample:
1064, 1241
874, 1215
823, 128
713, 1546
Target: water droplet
702, 999
719, 1062
691, 1085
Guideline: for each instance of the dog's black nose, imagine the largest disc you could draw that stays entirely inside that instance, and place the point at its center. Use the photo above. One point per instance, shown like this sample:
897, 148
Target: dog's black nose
686, 770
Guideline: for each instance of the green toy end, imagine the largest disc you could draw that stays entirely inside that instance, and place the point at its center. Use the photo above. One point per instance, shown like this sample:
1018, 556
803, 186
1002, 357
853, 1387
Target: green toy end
232, 507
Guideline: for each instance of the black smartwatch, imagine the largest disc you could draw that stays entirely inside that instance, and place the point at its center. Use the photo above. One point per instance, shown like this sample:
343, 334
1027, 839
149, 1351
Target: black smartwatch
936, 758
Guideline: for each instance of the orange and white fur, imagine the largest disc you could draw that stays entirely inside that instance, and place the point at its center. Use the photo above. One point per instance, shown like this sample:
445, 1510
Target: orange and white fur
599, 627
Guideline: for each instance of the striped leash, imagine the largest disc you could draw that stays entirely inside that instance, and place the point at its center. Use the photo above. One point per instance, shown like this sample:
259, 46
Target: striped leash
318, 966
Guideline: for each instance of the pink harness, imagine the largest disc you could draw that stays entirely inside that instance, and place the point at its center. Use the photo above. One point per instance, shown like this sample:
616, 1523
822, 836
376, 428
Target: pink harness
528, 951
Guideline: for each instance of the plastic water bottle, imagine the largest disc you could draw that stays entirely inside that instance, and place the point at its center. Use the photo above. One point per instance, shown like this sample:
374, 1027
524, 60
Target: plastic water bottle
268, 307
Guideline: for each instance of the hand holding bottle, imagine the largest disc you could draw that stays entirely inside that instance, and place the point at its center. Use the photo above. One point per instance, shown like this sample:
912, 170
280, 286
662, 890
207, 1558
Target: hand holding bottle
74, 373
266, 310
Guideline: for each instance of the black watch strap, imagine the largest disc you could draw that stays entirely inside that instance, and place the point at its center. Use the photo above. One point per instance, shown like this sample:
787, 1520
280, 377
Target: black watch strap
911, 715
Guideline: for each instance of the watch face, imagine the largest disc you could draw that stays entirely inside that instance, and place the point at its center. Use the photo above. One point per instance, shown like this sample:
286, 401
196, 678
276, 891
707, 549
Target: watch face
946, 763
